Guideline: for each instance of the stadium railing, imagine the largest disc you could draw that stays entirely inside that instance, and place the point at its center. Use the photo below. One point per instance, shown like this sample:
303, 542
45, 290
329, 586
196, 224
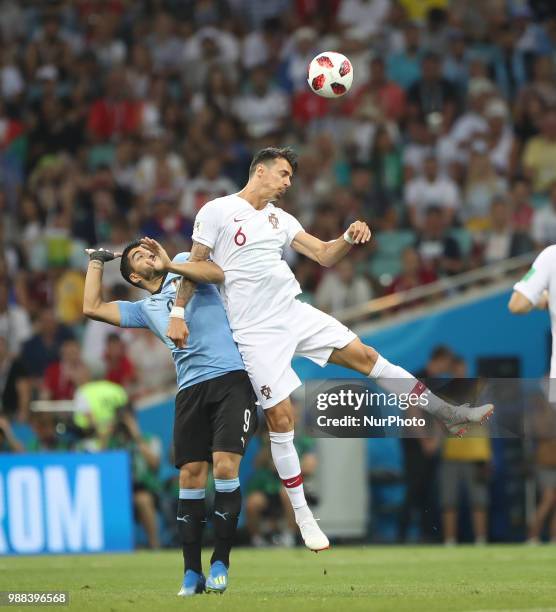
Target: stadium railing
501, 274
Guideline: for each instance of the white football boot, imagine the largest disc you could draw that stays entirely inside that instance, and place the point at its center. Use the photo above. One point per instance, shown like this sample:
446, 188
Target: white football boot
457, 418
311, 533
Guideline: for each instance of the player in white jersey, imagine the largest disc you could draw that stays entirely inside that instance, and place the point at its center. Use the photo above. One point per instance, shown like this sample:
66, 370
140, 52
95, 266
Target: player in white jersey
537, 289
245, 234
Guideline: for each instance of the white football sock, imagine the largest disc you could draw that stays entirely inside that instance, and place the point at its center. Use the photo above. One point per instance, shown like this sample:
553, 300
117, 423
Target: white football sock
286, 460
395, 379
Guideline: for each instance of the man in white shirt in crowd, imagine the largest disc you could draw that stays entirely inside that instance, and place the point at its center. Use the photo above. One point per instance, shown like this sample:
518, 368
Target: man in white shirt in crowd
431, 189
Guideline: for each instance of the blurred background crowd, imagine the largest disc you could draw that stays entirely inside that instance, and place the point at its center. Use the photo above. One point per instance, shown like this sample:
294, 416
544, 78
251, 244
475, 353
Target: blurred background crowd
121, 118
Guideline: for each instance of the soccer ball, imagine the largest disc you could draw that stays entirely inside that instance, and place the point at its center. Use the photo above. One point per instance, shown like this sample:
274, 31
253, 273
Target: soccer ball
330, 74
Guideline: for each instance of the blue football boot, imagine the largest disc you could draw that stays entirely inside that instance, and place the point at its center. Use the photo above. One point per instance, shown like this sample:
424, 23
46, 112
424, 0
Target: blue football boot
218, 578
193, 584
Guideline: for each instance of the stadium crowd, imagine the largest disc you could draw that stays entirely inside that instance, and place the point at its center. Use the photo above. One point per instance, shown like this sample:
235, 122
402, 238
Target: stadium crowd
121, 119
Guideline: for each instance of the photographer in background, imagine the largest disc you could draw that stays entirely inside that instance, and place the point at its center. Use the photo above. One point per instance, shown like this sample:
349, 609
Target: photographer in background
144, 451
49, 436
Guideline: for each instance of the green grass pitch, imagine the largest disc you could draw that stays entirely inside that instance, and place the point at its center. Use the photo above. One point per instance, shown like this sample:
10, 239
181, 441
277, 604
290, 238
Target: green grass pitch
342, 579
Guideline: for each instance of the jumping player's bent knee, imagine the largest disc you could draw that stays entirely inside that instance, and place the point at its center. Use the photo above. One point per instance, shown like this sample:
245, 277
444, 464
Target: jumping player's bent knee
279, 418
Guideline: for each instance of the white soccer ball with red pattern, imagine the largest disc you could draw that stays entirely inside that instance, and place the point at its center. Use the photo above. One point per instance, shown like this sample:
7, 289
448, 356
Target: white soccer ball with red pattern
330, 74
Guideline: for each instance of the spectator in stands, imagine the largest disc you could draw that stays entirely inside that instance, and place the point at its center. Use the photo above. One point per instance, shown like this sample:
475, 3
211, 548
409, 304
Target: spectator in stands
49, 47
119, 368
8, 442
341, 288
166, 46
417, 149
439, 251
69, 287
404, 67
209, 49
159, 169
465, 462
539, 155
166, 220
43, 348
385, 95
499, 136
482, 184
96, 333
15, 390
414, 274
544, 221
264, 109
116, 114
544, 432
216, 93
432, 93
501, 241
471, 123
301, 50
522, 209
386, 165
362, 17
509, 62
421, 458
153, 364
64, 376
144, 452
15, 324
210, 184
234, 152
428, 190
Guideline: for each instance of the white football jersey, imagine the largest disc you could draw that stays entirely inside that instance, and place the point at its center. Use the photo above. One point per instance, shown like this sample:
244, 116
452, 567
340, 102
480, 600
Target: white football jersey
248, 244
541, 277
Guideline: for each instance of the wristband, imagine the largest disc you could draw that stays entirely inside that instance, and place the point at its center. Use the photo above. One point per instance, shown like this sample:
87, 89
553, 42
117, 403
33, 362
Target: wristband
177, 312
102, 255
347, 237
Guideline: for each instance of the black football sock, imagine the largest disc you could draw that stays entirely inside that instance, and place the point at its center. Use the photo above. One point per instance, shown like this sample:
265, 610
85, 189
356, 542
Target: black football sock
191, 522
227, 506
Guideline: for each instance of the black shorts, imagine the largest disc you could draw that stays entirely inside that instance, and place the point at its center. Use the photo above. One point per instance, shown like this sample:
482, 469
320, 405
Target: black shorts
215, 415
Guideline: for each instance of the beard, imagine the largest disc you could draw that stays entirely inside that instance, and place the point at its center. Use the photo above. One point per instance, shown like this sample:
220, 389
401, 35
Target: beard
280, 193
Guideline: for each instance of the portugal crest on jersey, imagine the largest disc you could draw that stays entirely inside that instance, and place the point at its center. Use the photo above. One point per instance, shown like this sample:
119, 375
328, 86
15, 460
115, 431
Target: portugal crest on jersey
266, 392
274, 221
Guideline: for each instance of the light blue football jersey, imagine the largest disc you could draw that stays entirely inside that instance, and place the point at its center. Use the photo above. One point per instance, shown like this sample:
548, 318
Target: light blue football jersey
210, 350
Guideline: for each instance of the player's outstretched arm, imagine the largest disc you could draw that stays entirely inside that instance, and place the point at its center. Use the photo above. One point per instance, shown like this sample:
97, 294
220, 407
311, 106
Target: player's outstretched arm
196, 271
519, 304
328, 254
93, 305
177, 329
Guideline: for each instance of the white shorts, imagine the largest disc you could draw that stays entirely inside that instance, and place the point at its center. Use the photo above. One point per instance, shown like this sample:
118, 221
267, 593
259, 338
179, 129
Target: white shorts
268, 348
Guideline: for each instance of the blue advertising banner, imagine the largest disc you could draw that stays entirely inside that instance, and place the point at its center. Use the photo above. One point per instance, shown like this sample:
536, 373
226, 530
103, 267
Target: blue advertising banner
65, 503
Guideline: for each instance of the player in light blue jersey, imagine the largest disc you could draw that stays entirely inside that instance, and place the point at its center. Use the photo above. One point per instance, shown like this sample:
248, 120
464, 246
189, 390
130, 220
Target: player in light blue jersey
215, 413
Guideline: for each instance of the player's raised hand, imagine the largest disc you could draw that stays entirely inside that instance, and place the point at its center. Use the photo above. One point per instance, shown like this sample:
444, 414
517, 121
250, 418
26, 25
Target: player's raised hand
102, 255
157, 249
359, 232
177, 331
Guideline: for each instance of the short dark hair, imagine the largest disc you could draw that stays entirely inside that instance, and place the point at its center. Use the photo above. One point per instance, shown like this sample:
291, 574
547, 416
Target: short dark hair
441, 352
125, 264
264, 156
